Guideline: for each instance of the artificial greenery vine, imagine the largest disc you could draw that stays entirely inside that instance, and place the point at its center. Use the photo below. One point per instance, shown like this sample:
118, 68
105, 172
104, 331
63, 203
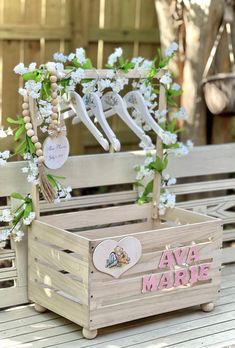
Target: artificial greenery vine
70, 73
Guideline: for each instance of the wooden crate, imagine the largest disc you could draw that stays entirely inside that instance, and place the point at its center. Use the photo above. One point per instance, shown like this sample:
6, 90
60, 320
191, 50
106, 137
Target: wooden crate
64, 279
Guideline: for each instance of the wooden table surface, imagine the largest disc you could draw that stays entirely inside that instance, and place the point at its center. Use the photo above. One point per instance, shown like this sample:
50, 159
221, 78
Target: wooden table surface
22, 327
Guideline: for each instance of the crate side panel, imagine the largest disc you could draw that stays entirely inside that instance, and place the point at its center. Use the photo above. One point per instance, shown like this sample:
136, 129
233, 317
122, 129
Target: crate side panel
110, 295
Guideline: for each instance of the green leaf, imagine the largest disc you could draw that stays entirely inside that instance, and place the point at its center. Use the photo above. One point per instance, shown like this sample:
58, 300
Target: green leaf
52, 181
30, 145
32, 75
57, 176
171, 125
46, 90
88, 64
21, 149
17, 195
11, 120
28, 209
19, 132
18, 217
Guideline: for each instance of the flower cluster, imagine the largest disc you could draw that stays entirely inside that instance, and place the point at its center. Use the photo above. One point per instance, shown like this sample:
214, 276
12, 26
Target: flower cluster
5, 133
171, 144
16, 219
4, 157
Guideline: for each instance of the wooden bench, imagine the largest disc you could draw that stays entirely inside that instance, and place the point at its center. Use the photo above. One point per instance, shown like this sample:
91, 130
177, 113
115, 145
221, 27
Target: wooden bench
205, 184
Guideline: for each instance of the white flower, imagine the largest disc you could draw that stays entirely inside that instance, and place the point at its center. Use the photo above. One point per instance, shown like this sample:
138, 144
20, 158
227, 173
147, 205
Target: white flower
24, 170
6, 216
112, 59
27, 156
29, 218
137, 61
171, 181
119, 84
181, 114
181, 151
5, 154
189, 144
33, 88
169, 138
103, 84
51, 67
9, 131
20, 69
171, 49
147, 64
175, 87
2, 162
44, 129
166, 78
60, 57
71, 57
18, 235
32, 67
89, 87
57, 200
110, 74
2, 133
22, 91
4, 234
77, 75
80, 55
161, 115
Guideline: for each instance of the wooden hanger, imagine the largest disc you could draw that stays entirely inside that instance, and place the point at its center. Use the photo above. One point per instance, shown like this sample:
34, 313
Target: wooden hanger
118, 106
93, 102
77, 105
135, 100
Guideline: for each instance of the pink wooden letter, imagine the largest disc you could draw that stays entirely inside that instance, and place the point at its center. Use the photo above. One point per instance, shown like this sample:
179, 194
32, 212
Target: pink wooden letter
203, 271
181, 277
193, 255
193, 274
149, 283
166, 259
165, 281
180, 255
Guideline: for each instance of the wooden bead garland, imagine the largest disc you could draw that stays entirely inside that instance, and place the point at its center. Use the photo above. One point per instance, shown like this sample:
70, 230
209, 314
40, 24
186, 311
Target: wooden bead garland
27, 119
29, 127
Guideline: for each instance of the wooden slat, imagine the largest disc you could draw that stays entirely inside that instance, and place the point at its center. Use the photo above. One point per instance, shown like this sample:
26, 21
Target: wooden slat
95, 217
228, 255
48, 275
30, 32
13, 296
59, 259
8, 273
53, 300
203, 186
60, 238
124, 35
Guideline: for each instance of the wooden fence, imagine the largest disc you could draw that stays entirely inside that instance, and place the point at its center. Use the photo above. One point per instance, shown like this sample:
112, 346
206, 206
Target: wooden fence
32, 30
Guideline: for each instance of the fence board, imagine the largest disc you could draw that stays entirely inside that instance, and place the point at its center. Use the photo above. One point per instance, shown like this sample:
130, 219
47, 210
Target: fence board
32, 30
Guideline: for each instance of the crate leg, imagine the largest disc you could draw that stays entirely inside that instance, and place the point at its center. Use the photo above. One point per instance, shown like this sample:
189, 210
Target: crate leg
40, 309
207, 307
89, 334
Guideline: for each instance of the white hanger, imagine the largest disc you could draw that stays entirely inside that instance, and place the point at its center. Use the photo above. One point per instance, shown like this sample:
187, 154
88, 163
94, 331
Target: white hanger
136, 100
118, 106
77, 105
93, 102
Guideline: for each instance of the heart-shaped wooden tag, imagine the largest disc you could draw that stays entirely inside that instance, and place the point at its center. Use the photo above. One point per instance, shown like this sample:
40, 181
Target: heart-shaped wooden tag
55, 151
115, 258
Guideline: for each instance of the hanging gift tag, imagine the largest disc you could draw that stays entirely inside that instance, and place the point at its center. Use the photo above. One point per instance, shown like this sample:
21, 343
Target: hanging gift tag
55, 151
